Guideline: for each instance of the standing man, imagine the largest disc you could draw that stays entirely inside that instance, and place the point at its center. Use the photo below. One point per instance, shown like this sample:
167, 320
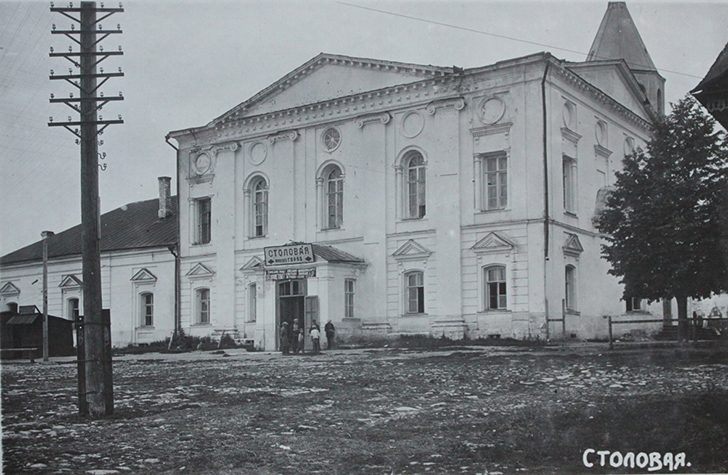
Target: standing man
285, 338
329, 329
315, 339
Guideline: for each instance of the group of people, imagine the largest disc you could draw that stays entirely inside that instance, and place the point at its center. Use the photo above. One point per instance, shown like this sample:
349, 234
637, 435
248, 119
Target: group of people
292, 339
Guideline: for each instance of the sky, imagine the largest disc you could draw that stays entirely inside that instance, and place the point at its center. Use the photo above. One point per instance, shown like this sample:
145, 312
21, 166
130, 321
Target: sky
186, 63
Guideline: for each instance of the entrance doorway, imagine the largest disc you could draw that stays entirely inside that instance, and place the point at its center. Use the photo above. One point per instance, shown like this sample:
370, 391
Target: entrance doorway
291, 296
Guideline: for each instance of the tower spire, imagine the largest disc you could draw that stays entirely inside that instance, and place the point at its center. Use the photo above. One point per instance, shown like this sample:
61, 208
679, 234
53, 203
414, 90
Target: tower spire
618, 39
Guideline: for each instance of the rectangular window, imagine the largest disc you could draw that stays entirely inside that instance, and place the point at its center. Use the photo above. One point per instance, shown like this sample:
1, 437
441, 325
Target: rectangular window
261, 212
569, 183
253, 302
495, 178
204, 221
148, 309
349, 298
570, 288
203, 306
634, 304
495, 288
415, 293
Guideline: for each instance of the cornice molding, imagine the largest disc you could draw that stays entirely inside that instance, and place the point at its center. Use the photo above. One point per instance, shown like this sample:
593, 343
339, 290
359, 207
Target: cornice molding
231, 146
602, 98
503, 128
602, 151
378, 101
383, 117
291, 135
570, 135
457, 103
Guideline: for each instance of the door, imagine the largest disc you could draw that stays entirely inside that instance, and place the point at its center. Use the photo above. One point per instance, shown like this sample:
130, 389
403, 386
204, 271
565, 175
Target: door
311, 317
291, 294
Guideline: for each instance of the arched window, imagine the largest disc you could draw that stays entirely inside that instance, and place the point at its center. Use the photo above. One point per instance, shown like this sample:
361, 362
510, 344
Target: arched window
495, 288
334, 183
660, 106
570, 288
414, 164
415, 292
146, 300
259, 188
12, 307
72, 309
203, 306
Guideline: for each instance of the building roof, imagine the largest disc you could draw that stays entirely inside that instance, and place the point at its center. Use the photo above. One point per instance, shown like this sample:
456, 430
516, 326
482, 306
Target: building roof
132, 226
331, 254
618, 38
712, 91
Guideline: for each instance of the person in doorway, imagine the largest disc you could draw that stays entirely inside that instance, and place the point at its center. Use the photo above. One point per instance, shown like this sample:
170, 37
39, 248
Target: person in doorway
329, 330
315, 336
299, 336
285, 338
294, 337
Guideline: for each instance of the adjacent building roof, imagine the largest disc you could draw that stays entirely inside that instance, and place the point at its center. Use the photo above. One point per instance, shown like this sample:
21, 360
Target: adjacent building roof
618, 38
132, 226
712, 92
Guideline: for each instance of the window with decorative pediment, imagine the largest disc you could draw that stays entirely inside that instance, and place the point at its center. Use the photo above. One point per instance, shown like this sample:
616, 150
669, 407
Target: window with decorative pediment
570, 288
415, 292
146, 301
252, 302
202, 300
495, 288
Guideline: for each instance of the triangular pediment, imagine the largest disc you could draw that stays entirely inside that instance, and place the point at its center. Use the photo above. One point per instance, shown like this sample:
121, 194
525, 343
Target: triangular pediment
329, 76
70, 281
9, 289
573, 246
616, 80
144, 275
493, 242
254, 263
411, 249
200, 270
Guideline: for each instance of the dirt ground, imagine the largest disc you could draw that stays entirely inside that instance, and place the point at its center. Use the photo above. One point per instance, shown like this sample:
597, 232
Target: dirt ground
384, 411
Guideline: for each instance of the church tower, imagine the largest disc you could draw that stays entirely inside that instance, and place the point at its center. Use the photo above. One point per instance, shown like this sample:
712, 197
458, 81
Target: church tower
618, 38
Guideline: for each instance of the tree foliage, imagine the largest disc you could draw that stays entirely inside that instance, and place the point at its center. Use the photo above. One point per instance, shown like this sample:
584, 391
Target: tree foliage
665, 220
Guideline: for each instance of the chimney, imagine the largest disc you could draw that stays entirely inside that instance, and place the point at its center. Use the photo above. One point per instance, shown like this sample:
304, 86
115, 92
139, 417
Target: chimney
165, 197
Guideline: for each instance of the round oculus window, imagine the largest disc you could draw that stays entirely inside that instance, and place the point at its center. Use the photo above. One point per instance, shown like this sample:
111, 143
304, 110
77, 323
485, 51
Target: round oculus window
331, 139
202, 163
492, 110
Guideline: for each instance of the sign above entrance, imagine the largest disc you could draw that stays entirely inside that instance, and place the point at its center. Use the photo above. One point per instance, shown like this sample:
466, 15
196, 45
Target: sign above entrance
289, 274
286, 255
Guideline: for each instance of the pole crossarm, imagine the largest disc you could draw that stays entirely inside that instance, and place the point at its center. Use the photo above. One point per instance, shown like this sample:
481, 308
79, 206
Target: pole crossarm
73, 54
103, 99
86, 122
79, 76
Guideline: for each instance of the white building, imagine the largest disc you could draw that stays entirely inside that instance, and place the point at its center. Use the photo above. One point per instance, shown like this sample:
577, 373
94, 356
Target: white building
437, 200
137, 271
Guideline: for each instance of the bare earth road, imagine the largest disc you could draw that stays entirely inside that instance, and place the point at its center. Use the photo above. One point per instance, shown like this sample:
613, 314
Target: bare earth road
464, 410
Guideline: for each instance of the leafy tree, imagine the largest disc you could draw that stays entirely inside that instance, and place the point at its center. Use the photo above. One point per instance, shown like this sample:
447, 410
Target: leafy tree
665, 221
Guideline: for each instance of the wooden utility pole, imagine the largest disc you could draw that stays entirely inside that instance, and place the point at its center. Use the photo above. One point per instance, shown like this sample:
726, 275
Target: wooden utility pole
45, 235
96, 392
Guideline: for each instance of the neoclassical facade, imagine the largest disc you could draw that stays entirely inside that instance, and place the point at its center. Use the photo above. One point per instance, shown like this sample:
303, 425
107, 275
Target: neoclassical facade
427, 200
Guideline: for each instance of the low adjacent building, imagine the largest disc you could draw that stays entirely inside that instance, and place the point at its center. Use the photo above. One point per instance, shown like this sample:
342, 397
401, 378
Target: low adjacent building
138, 247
